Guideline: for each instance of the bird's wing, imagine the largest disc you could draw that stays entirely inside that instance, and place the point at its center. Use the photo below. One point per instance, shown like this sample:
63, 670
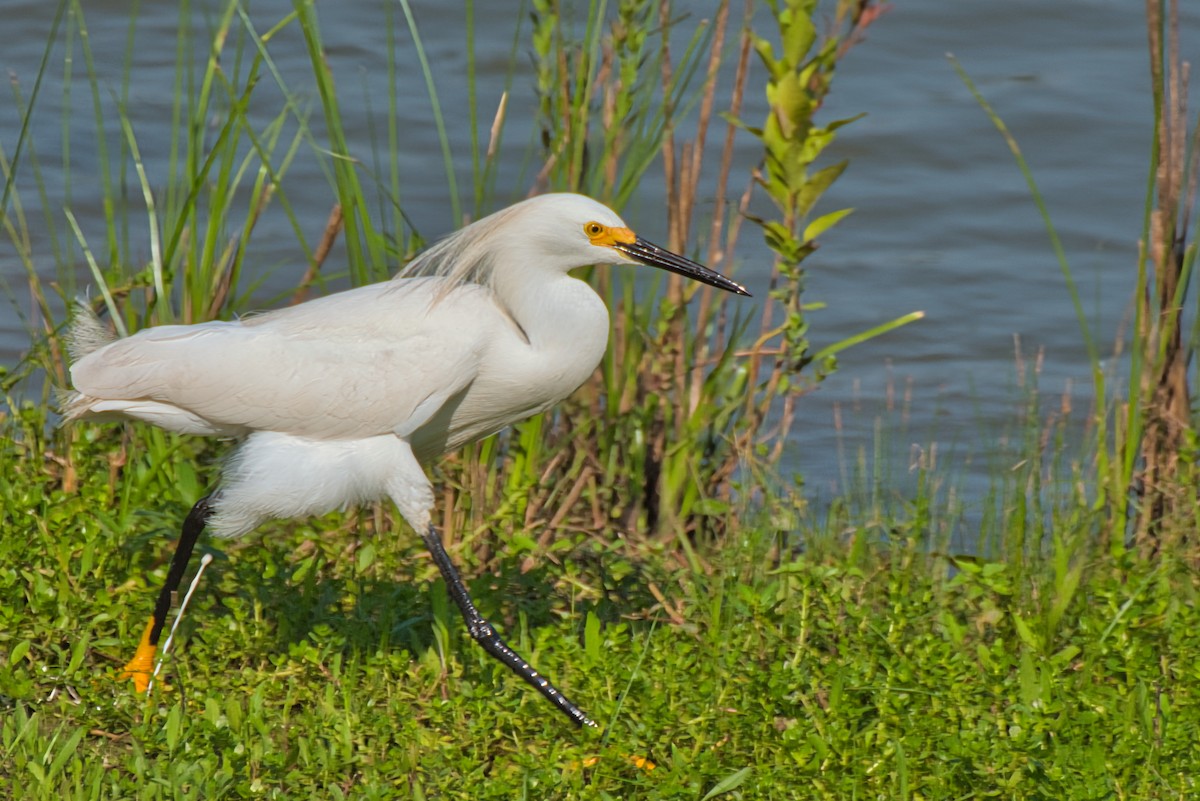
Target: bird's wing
368, 361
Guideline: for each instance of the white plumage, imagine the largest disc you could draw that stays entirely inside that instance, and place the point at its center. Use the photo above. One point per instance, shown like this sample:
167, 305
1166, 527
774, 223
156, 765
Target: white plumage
338, 401
434, 362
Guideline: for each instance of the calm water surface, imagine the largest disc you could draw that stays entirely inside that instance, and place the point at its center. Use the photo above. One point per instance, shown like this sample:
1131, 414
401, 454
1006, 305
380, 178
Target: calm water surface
943, 220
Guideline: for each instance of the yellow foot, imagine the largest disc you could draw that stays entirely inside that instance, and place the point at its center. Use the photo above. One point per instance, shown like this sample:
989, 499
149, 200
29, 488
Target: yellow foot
140, 669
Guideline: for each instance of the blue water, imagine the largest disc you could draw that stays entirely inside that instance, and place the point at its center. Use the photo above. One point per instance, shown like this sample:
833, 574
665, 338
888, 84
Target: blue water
943, 221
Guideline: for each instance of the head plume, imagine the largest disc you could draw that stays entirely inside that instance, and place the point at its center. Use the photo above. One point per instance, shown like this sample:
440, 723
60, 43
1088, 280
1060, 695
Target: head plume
463, 257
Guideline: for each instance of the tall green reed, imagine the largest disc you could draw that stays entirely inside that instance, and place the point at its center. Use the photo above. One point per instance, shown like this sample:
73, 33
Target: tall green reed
1167, 446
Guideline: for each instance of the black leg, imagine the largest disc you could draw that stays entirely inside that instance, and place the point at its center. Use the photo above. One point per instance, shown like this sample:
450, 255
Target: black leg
485, 634
141, 668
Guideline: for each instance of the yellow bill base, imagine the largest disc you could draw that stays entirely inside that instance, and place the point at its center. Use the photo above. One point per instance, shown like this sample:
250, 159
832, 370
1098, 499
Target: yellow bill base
140, 669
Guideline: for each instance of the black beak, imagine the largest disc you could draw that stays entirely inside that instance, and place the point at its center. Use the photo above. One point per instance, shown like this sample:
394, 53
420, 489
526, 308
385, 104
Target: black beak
653, 255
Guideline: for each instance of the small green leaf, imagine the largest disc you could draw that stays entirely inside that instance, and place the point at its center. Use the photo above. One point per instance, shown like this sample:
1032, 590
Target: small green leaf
1027, 634
364, 558
78, 652
523, 542
303, 569
66, 752
767, 54
174, 727
816, 185
18, 652
798, 36
823, 223
713, 507
730, 782
591, 637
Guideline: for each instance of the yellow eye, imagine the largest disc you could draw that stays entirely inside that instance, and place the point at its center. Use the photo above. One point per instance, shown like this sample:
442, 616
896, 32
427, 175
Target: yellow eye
602, 235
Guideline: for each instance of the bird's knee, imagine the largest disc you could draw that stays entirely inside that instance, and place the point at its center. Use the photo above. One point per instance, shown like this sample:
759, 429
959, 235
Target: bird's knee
482, 632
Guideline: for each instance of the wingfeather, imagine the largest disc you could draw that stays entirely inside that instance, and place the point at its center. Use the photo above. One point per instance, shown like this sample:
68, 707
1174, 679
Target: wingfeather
360, 363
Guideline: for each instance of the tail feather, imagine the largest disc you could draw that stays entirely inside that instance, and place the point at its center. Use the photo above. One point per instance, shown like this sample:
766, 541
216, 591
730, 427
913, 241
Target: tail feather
68, 402
88, 332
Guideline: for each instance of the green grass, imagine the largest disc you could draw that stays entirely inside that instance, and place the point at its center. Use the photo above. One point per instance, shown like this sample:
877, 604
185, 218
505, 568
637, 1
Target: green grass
323, 660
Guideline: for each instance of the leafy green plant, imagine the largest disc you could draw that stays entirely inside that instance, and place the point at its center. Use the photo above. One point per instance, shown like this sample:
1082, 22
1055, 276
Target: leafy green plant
682, 412
799, 77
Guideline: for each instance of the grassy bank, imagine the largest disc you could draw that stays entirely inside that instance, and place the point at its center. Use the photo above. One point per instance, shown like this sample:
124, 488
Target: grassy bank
323, 661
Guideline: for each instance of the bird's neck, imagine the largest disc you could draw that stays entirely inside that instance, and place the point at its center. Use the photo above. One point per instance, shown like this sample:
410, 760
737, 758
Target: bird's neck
557, 312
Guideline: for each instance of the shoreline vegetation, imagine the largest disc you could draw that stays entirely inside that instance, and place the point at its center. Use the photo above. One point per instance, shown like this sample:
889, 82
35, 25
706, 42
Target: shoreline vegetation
637, 543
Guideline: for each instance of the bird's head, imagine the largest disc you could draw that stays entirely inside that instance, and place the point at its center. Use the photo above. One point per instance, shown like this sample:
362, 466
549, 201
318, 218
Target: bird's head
579, 231
555, 232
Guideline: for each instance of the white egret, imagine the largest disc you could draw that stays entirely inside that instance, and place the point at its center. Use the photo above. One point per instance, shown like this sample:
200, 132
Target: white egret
340, 400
